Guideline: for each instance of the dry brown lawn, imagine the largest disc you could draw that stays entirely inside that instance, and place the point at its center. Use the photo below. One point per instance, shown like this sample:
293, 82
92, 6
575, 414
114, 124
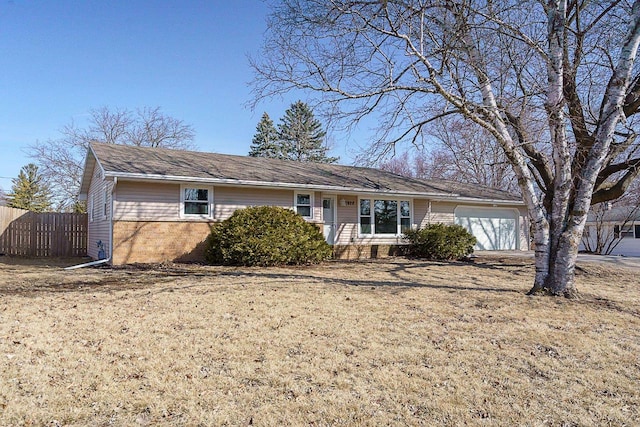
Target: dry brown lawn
391, 342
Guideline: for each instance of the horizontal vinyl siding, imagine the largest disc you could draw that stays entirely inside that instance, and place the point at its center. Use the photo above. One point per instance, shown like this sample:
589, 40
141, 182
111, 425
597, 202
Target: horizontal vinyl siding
347, 220
98, 228
523, 221
628, 246
317, 207
228, 199
442, 212
138, 201
141, 201
420, 212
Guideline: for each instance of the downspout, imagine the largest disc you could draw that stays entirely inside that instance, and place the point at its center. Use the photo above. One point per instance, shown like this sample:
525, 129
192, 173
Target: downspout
429, 212
113, 192
107, 259
89, 264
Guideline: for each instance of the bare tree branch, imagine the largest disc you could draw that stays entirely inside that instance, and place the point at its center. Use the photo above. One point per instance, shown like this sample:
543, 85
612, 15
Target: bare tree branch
553, 83
61, 160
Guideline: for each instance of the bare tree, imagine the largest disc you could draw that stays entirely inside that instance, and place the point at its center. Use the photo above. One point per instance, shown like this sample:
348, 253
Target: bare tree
608, 227
436, 163
459, 152
61, 161
151, 128
607, 222
400, 164
555, 83
472, 155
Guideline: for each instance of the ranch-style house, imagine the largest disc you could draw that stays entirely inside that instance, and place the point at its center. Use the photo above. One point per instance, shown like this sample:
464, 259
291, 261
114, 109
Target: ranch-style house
152, 205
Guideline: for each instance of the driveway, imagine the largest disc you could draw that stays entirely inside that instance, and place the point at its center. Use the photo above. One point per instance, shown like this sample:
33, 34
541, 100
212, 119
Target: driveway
620, 261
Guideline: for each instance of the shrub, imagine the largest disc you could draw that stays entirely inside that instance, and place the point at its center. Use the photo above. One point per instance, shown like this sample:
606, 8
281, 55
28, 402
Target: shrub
440, 241
266, 236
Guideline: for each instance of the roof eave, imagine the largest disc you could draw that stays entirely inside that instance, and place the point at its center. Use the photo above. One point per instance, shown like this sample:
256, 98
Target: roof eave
274, 185
476, 200
90, 161
288, 185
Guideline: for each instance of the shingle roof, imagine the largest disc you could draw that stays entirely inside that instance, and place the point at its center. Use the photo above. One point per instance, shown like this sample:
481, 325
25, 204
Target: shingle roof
156, 163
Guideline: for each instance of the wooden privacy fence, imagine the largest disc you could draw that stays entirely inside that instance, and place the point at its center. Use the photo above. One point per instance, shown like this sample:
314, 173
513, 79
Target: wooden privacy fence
25, 233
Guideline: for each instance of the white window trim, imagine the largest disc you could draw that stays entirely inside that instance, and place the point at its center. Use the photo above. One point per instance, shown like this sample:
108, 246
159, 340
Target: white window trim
90, 207
311, 203
372, 216
105, 197
627, 231
209, 201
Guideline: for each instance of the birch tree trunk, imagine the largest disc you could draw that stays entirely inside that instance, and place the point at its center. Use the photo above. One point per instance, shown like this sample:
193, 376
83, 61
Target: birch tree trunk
555, 82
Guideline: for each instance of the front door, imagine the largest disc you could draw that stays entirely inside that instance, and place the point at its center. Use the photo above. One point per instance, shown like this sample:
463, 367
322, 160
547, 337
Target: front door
328, 215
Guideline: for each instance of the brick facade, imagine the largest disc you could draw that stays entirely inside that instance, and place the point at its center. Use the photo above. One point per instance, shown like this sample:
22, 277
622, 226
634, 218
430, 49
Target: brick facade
180, 241
366, 251
157, 241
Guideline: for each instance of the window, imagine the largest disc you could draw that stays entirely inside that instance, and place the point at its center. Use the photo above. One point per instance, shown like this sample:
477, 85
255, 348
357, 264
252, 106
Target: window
304, 205
385, 216
622, 231
625, 230
388, 217
90, 207
405, 216
196, 201
105, 206
637, 228
365, 216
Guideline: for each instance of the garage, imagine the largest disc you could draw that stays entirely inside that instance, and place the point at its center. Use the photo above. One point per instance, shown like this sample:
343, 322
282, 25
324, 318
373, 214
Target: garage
495, 229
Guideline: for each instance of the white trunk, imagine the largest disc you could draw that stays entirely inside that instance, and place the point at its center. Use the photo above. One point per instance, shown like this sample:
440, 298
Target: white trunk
541, 247
568, 216
518, 161
558, 231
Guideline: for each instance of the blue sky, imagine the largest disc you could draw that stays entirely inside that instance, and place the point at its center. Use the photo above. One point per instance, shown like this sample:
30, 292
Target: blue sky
59, 59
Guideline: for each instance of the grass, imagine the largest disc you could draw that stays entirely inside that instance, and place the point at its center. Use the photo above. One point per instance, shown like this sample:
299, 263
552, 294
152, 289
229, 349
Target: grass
395, 342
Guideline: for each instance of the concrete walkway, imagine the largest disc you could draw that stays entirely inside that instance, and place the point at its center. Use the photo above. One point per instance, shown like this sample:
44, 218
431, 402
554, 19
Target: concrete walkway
621, 261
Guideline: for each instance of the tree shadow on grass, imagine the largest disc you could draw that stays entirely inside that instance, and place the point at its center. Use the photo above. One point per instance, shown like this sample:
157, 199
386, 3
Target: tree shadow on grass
161, 278
148, 276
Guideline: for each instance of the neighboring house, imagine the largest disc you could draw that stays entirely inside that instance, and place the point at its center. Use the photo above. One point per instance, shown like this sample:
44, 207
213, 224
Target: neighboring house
152, 205
617, 228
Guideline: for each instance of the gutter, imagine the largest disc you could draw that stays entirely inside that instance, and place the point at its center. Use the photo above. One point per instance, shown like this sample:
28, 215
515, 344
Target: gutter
277, 185
113, 202
480, 201
438, 197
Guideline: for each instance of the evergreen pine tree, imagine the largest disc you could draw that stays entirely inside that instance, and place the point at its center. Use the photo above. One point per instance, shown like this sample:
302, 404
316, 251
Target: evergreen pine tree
265, 141
301, 136
29, 191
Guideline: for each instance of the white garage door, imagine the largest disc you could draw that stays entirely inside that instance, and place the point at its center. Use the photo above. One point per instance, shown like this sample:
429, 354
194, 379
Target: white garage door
495, 229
